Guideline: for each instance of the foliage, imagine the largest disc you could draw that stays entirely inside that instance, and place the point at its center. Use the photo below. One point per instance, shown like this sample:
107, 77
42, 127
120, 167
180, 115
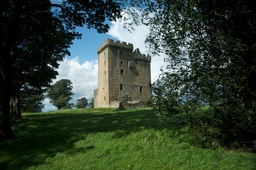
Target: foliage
91, 103
32, 103
70, 106
60, 93
100, 138
35, 36
81, 103
234, 124
211, 58
165, 100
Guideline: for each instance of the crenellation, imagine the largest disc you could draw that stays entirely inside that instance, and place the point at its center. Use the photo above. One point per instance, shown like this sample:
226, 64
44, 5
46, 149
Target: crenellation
140, 56
137, 50
117, 43
110, 40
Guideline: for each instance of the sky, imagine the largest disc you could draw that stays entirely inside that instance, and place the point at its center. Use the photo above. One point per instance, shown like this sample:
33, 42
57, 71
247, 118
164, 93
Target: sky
81, 67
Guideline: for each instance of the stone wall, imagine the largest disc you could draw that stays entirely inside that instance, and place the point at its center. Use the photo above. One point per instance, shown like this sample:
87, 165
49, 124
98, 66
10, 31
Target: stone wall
126, 105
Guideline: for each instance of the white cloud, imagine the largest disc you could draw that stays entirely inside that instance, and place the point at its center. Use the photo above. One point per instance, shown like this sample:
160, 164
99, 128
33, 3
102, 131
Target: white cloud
48, 106
137, 38
83, 76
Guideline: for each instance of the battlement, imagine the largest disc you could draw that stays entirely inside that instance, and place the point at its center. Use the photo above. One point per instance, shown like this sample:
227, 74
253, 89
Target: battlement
118, 44
143, 57
138, 56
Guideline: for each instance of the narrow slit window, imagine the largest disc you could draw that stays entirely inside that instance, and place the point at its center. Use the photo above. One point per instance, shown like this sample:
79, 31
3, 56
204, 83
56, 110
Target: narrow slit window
140, 88
121, 62
121, 86
121, 71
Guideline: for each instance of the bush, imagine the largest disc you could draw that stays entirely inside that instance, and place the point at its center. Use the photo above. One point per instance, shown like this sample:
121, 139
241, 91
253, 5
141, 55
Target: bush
235, 125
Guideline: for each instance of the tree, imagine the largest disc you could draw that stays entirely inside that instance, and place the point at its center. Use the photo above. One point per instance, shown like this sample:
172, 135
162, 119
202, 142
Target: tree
31, 103
211, 52
60, 93
34, 36
82, 103
91, 103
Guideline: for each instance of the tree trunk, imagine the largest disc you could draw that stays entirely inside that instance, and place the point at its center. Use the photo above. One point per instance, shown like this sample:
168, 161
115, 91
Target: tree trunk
5, 88
5, 84
15, 106
5, 123
12, 112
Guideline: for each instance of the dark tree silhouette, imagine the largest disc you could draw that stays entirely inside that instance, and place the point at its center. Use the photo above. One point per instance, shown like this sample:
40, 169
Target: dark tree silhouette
35, 36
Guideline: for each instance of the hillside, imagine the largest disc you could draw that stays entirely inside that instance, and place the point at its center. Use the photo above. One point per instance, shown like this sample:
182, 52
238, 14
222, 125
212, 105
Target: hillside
109, 139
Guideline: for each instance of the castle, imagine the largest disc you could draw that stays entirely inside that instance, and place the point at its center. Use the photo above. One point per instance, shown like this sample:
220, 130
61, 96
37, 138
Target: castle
122, 74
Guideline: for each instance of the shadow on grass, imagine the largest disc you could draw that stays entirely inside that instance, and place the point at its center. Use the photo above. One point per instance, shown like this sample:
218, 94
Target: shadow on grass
40, 136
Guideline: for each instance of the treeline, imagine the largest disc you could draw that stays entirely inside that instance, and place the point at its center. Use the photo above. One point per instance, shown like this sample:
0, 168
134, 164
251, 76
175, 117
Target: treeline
60, 93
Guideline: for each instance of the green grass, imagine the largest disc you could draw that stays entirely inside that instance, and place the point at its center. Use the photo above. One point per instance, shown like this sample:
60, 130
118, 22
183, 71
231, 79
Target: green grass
109, 139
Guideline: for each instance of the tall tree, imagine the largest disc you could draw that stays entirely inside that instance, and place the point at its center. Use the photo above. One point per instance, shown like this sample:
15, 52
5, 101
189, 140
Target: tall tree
81, 103
211, 56
60, 93
35, 35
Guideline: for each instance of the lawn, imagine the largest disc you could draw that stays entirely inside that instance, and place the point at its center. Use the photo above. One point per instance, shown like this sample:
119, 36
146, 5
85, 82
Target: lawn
109, 139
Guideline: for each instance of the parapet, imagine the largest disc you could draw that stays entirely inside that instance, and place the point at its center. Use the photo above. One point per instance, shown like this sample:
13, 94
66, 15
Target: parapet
138, 56
118, 44
95, 91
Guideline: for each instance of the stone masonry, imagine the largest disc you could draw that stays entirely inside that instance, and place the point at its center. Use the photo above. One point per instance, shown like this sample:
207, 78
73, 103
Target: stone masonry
122, 73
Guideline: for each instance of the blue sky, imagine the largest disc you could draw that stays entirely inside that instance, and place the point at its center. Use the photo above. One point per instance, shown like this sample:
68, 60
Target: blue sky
86, 47
82, 66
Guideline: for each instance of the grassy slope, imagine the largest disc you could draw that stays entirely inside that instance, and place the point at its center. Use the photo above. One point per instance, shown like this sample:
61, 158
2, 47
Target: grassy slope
108, 139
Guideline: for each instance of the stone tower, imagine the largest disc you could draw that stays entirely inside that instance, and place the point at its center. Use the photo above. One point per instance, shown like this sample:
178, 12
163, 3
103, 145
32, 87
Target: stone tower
122, 73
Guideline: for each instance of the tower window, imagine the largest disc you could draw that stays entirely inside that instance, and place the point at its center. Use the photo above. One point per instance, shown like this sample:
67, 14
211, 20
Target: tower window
121, 71
121, 86
140, 88
121, 52
121, 62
